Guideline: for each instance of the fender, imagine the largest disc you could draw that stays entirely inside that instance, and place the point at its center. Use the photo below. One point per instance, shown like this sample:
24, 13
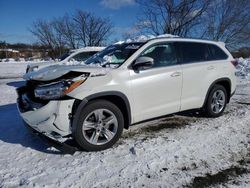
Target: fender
212, 85
99, 95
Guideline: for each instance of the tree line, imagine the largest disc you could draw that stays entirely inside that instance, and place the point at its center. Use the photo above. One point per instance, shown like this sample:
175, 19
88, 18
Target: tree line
223, 20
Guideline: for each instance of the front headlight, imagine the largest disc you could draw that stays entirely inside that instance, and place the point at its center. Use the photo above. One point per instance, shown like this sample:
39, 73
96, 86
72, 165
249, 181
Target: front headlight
59, 89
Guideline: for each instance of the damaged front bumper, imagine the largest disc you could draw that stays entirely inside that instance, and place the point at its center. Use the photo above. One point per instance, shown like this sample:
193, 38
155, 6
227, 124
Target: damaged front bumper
48, 119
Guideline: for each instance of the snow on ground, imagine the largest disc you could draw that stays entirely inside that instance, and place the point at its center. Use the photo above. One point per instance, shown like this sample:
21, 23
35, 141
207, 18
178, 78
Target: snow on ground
12, 70
180, 150
15, 69
243, 69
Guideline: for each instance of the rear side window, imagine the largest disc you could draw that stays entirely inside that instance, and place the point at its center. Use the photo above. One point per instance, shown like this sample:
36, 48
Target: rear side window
217, 53
192, 52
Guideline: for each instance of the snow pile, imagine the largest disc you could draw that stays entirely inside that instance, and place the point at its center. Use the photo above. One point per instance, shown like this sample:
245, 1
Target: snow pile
15, 69
243, 68
12, 69
23, 60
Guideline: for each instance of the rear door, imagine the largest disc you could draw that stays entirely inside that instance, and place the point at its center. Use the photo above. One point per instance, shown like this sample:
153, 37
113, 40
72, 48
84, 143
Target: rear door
199, 71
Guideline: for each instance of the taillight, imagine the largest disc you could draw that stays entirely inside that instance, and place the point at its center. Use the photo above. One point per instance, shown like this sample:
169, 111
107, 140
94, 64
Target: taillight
234, 62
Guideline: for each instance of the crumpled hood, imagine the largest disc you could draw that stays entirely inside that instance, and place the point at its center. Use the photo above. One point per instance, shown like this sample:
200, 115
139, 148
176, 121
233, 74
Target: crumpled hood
56, 71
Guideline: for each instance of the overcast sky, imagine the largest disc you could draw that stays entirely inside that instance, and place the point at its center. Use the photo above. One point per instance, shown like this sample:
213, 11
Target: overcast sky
17, 15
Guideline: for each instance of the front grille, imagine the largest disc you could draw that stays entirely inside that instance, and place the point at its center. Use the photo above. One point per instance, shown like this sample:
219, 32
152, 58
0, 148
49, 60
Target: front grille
25, 103
30, 87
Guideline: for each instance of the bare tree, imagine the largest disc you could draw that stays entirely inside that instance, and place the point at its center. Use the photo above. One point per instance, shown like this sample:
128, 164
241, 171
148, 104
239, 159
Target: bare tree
92, 30
171, 16
43, 31
81, 29
228, 21
66, 27
48, 36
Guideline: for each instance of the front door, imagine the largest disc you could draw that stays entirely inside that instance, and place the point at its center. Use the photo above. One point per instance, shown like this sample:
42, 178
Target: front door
157, 90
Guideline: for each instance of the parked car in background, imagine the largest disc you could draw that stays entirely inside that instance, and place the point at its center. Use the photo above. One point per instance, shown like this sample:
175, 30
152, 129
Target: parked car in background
73, 57
127, 83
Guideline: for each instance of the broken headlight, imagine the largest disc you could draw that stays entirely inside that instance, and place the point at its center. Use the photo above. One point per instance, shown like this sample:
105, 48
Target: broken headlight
59, 89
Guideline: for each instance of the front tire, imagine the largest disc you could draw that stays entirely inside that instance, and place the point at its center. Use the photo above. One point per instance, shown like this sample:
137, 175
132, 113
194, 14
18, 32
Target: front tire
99, 126
216, 101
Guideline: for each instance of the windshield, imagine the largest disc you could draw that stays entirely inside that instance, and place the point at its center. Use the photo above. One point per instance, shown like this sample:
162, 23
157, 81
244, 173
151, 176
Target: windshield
114, 55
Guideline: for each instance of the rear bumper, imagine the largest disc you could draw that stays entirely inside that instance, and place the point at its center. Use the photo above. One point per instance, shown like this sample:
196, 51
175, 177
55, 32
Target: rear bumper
51, 119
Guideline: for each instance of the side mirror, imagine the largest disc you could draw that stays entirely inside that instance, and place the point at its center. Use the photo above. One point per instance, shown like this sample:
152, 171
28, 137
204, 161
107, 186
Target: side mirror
143, 63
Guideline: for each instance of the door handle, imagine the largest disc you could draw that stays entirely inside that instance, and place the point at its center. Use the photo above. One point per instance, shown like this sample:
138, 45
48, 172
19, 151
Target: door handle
175, 74
210, 67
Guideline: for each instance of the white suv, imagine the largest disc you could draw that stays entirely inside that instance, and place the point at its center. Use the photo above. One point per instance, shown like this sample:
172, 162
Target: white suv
125, 84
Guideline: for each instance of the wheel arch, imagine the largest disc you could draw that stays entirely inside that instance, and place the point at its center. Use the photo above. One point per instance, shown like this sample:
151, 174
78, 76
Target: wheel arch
116, 97
225, 82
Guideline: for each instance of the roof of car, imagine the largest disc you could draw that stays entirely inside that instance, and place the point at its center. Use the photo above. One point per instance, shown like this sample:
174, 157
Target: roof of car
170, 38
188, 40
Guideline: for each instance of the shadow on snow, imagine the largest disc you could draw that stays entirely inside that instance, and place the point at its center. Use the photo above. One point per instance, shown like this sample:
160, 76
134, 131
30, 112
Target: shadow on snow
13, 131
16, 84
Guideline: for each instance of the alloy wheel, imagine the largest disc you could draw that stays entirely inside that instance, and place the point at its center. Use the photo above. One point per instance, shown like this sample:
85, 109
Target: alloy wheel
100, 126
218, 101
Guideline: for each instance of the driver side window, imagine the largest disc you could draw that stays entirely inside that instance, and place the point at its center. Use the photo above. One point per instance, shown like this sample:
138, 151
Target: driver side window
163, 54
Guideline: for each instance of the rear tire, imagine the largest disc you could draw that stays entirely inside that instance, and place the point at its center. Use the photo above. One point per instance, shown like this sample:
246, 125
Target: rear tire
99, 126
216, 101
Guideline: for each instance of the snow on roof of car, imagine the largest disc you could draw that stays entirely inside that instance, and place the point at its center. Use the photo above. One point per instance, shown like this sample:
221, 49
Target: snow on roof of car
144, 38
221, 43
88, 48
